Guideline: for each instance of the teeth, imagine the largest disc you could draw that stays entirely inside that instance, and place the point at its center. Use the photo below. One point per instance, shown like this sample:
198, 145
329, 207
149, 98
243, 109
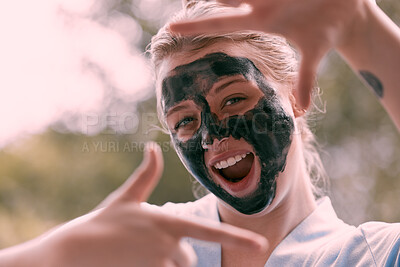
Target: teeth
230, 161
224, 164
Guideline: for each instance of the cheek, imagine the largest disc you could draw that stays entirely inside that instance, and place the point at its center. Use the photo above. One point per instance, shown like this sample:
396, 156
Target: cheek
187, 132
285, 180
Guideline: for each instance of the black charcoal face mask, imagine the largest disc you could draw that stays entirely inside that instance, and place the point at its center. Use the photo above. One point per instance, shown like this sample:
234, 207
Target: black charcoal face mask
266, 127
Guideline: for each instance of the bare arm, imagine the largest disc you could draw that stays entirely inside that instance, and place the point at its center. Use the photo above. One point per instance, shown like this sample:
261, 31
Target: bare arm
372, 49
366, 38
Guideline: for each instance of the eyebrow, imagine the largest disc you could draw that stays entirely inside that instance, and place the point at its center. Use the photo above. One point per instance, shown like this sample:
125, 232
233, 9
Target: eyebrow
221, 87
217, 90
176, 109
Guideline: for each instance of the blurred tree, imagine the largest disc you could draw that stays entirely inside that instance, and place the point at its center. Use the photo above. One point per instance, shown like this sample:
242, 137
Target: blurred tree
58, 175
53, 177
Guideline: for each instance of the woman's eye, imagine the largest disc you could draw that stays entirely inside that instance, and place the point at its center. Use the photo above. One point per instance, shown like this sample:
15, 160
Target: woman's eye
184, 122
233, 100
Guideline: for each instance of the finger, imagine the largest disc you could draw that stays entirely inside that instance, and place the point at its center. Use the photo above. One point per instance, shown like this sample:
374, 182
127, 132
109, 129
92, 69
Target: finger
222, 233
142, 182
184, 256
306, 81
234, 3
213, 25
168, 263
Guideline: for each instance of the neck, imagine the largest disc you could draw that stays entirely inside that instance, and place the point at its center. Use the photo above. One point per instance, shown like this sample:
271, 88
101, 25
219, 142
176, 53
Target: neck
293, 202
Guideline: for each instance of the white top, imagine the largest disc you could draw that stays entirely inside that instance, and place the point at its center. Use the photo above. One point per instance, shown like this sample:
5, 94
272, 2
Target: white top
322, 239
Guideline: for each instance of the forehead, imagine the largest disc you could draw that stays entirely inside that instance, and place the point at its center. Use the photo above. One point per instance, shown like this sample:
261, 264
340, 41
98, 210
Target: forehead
184, 58
193, 80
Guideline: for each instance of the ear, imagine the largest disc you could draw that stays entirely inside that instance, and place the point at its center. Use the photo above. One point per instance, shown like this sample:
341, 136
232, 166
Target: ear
298, 112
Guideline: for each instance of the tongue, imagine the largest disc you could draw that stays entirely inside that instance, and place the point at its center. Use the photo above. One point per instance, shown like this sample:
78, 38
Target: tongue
239, 170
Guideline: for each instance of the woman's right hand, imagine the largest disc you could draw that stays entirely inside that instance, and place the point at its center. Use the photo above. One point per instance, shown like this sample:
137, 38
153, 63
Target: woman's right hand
123, 234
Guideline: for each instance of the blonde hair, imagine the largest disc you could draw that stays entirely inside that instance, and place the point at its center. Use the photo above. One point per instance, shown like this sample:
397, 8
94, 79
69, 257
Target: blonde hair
272, 54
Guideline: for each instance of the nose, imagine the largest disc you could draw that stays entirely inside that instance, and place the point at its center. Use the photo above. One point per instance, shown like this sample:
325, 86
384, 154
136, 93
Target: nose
212, 135
213, 145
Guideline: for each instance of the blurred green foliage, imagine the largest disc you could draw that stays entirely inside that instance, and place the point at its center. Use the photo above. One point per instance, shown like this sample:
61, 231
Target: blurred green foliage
53, 177
50, 178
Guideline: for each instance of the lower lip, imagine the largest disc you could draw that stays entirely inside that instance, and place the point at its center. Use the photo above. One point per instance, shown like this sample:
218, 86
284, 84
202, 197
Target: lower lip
243, 187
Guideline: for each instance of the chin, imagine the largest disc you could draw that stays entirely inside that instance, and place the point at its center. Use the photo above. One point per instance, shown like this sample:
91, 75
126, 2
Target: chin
241, 177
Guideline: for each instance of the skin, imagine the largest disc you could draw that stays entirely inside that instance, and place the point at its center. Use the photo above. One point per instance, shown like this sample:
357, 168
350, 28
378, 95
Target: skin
366, 38
357, 29
293, 200
120, 232
230, 100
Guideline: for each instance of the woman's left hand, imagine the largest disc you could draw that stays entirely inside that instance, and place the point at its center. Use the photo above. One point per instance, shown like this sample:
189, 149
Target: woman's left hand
358, 29
314, 27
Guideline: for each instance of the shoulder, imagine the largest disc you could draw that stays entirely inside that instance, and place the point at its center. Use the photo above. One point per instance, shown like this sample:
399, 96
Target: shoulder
322, 239
383, 240
370, 244
205, 207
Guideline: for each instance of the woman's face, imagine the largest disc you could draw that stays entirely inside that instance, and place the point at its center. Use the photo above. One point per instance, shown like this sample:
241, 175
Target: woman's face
228, 125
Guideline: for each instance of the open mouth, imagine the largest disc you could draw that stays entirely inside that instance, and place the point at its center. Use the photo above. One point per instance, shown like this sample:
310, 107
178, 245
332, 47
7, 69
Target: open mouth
235, 169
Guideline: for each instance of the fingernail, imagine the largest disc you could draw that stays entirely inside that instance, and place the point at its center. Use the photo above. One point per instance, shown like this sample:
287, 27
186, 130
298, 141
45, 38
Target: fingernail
235, 3
168, 28
148, 147
173, 28
151, 146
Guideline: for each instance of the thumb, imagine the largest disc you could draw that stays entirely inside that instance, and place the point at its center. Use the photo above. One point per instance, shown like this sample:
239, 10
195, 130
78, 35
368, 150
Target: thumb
142, 182
306, 81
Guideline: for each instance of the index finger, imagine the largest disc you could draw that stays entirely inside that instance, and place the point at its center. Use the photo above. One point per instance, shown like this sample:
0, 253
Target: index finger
212, 25
307, 76
223, 233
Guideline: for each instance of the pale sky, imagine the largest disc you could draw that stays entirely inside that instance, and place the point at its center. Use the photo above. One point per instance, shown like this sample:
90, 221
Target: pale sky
54, 60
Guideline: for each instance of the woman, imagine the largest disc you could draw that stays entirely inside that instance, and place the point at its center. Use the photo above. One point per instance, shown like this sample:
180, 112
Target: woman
234, 105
